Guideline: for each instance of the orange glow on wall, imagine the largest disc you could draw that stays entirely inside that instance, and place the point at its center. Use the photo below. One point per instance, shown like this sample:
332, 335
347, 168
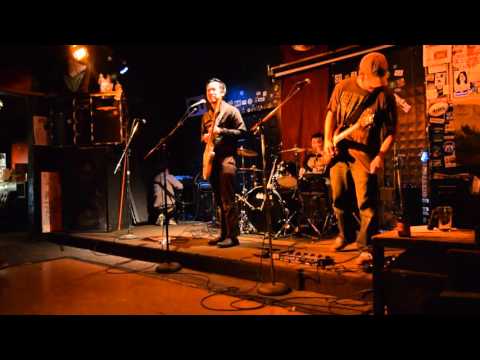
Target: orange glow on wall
19, 154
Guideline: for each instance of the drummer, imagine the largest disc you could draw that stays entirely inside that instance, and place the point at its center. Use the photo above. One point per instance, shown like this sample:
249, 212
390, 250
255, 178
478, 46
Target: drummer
313, 159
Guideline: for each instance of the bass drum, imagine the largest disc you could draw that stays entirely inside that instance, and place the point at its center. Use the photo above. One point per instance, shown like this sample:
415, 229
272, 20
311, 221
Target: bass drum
256, 210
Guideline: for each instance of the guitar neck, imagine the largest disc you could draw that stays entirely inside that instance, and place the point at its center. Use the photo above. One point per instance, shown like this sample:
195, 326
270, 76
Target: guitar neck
214, 122
345, 133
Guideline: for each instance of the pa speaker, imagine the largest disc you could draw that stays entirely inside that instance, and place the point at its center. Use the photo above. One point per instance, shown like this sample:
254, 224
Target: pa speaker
91, 192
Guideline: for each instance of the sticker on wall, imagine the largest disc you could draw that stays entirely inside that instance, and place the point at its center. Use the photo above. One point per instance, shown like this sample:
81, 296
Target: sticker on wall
441, 83
435, 120
437, 68
437, 138
436, 54
398, 72
461, 83
450, 161
436, 152
449, 147
431, 92
449, 126
402, 103
438, 109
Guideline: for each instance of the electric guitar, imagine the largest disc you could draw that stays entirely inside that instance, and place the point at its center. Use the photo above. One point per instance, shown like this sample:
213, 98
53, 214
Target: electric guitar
208, 153
364, 122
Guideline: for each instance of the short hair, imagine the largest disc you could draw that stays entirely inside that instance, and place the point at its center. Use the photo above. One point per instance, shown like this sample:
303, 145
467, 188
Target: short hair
318, 134
222, 84
458, 77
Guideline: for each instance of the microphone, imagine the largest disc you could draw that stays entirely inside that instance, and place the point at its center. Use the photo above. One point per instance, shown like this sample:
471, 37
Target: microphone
200, 102
143, 121
303, 82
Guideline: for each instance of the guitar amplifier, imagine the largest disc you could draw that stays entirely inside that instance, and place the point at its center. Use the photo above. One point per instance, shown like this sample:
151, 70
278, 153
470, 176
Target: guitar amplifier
107, 121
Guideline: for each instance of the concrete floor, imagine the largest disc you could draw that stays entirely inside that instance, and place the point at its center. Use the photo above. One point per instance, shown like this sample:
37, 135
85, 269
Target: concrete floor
44, 278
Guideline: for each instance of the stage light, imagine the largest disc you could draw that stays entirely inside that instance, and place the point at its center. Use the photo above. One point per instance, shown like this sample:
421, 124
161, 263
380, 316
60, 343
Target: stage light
79, 53
424, 156
1, 104
124, 70
302, 48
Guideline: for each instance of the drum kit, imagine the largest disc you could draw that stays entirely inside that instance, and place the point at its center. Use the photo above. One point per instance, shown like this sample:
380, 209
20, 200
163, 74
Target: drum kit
299, 204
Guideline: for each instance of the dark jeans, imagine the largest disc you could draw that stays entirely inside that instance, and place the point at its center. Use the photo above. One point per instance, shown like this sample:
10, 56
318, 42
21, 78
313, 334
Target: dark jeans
223, 184
350, 179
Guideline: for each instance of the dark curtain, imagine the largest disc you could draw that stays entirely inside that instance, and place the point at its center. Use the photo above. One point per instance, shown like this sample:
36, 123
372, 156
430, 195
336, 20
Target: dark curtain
305, 113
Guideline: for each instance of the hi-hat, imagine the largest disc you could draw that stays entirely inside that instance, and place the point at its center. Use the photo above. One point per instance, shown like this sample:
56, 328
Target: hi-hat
246, 152
294, 150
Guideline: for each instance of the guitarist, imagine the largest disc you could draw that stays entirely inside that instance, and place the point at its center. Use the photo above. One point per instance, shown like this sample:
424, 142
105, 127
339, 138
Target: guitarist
358, 158
228, 126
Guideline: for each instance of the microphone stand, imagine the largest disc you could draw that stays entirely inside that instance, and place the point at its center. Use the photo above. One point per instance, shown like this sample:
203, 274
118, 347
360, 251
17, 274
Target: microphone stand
275, 288
126, 156
168, 266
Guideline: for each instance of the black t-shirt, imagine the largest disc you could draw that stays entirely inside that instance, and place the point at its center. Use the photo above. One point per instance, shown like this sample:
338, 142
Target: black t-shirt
232, 125
346, 98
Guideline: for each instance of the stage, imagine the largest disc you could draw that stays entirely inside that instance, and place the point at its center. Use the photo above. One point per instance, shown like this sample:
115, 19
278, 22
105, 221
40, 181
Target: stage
332, 273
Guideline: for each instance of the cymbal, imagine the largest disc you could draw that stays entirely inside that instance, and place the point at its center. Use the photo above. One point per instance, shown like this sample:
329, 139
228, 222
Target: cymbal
294, 150
246, 152
252, 169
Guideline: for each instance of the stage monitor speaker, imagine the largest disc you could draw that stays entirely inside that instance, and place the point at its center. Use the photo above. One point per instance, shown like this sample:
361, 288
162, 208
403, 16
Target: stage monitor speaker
91, 192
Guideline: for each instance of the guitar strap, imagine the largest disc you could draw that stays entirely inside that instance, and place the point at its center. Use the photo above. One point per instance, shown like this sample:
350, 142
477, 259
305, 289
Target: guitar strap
367, 101
216, 119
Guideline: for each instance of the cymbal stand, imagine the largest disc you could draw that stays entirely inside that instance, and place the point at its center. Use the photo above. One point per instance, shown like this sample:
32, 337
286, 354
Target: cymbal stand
246, 227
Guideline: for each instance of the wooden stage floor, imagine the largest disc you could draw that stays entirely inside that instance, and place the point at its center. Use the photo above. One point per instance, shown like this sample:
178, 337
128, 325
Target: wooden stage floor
188, 245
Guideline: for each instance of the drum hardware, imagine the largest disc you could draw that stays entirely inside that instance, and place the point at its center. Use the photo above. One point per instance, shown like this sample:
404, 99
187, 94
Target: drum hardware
246, 227
287, 224
243, 152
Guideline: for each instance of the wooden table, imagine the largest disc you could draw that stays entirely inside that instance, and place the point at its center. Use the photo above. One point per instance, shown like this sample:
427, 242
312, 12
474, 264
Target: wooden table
421, 238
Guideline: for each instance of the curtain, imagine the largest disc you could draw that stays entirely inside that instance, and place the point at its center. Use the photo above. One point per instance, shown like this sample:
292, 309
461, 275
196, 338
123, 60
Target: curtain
305, 113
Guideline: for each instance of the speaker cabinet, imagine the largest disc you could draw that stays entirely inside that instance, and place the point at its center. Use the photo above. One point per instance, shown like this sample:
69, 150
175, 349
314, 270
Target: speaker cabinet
91, 192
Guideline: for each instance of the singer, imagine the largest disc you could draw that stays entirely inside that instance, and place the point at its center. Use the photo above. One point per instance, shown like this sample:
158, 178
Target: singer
363, 102
228, 126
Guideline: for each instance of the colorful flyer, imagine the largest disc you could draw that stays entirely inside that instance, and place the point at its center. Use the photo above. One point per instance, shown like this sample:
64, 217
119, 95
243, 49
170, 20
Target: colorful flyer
436, 55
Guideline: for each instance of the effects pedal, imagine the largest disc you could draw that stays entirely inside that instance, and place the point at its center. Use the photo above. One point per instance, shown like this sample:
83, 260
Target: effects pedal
305, 258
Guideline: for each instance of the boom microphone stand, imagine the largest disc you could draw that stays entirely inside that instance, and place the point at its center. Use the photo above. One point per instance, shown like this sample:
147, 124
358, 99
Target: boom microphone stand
275, 288
169, 266
126, 156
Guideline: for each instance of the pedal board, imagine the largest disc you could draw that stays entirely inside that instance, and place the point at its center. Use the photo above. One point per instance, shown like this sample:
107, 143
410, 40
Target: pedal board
305, 258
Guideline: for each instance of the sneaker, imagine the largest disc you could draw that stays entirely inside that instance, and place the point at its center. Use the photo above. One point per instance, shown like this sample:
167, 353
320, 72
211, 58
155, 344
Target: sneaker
364, 257
160, 220
215, 241
339, 244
